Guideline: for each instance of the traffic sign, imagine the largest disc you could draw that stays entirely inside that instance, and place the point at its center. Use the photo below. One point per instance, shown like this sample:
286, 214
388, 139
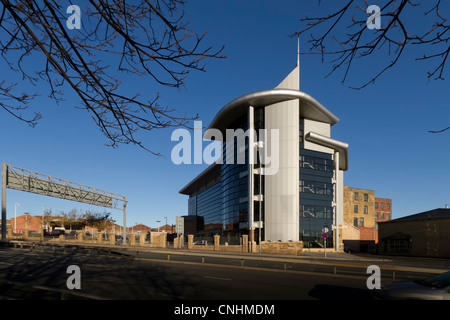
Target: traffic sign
324, 235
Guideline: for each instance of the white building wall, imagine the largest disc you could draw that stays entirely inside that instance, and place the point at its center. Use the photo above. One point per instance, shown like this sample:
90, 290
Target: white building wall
282, 189
340, 217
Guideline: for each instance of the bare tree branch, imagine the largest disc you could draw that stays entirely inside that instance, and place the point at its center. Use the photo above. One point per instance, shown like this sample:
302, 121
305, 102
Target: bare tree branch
142, 38
395, 36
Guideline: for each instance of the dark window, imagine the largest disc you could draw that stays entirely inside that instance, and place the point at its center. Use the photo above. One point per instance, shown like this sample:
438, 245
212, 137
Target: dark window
316, 187
366, 197
399, 246
355, 209
316, 163
315, 211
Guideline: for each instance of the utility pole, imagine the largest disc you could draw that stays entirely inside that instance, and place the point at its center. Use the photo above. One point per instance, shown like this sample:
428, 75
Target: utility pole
4, 172
15, 216
43, 227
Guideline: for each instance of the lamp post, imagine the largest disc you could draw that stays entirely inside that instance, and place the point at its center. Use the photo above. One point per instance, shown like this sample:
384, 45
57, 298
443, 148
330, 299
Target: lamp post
166, 223
158, 224
15, 216
43, 226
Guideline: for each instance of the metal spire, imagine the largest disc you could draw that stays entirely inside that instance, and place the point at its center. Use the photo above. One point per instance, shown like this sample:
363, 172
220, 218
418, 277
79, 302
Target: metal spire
298, 60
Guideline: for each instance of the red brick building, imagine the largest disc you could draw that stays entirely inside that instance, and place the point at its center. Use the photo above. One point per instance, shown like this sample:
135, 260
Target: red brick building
26, 221
383, 209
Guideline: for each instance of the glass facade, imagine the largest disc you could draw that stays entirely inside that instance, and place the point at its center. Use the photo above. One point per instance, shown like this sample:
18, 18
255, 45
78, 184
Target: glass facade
223, 206
316, 196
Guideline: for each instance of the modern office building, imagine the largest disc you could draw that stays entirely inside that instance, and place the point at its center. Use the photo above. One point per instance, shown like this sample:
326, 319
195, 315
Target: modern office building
292, 198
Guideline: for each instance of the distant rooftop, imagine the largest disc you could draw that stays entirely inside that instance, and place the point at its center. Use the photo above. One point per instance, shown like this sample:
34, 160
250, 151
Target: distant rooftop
432, 214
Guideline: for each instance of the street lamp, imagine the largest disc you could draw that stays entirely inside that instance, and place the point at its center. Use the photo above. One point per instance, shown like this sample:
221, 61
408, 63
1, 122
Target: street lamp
15, 216
158, 224
43, 212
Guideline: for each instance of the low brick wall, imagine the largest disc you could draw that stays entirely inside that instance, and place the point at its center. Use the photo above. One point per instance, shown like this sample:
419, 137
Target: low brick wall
157, 240
288, 248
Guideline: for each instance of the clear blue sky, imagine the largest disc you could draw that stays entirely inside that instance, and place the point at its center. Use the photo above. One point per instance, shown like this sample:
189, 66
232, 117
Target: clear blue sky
386, 125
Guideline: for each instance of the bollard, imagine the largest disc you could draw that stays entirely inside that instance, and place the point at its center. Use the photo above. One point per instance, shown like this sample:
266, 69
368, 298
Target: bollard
190, 241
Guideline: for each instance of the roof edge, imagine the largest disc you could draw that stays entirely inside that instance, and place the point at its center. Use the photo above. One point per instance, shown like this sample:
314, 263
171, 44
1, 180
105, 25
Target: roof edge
268, 97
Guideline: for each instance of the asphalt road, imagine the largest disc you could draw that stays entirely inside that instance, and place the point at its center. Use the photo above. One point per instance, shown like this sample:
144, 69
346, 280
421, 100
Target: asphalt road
34, 275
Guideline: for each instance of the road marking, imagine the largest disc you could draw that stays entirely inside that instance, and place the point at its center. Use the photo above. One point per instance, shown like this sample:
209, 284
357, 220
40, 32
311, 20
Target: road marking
95, 265
216, 278
73, 293
20, 274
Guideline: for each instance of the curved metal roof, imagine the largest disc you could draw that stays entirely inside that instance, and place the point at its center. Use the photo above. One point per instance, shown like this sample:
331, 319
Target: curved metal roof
310, 108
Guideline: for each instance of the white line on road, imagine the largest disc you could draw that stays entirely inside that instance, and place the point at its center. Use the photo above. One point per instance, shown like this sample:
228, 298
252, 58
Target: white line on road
69, 292
95, 265
216, 278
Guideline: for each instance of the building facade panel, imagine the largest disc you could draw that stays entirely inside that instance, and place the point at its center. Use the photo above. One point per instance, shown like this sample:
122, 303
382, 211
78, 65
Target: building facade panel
282, 197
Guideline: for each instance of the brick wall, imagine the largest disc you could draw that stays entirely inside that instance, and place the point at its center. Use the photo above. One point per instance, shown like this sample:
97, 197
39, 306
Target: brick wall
368, 234
383, 209
34, 223
365, 202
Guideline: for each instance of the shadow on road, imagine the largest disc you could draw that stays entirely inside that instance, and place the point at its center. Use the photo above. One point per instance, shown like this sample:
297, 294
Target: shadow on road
330, 292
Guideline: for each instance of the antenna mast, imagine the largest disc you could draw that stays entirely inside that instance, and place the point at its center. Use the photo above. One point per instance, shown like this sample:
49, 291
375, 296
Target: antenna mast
298, 60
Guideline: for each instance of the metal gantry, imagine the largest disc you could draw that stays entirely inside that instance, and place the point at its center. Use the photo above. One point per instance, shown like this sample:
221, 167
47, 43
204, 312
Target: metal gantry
31, 181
